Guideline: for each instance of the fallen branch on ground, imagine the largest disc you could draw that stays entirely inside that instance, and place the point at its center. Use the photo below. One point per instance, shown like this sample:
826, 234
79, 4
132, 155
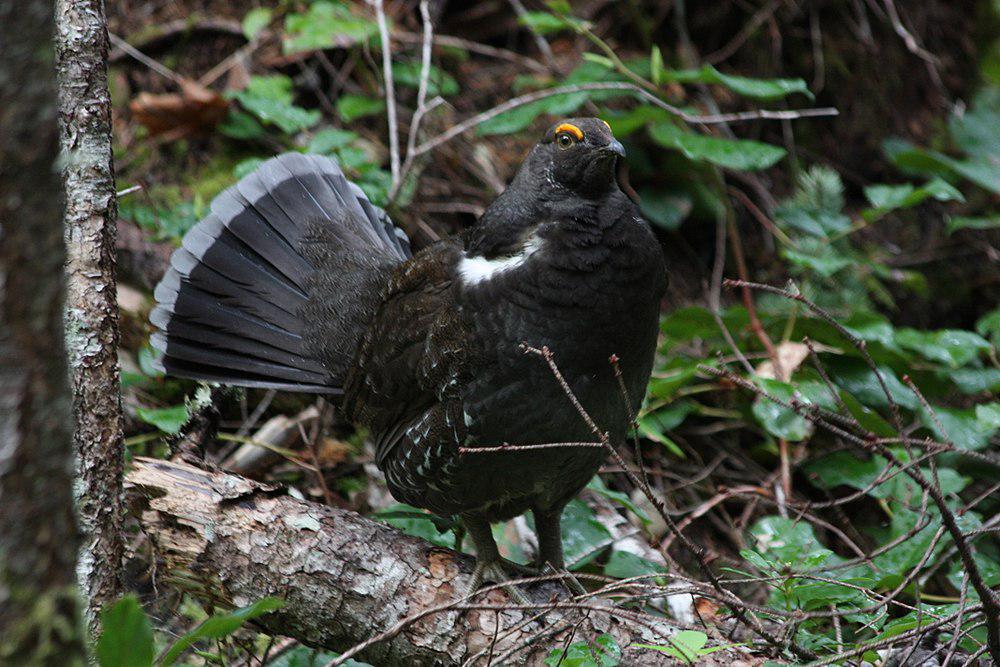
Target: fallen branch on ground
345, 578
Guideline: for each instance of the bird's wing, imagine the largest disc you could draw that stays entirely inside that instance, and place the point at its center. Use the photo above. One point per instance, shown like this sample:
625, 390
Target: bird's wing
414, 353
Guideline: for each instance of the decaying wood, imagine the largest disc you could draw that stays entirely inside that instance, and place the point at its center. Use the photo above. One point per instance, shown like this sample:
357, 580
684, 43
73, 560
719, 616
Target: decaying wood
91, 303
38, 599
346, 578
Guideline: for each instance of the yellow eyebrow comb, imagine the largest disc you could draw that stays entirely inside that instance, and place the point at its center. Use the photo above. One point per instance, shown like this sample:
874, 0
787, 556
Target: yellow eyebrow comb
571, 129
606, 124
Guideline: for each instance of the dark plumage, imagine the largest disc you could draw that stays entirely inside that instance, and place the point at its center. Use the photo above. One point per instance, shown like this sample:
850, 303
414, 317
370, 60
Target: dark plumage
297, 282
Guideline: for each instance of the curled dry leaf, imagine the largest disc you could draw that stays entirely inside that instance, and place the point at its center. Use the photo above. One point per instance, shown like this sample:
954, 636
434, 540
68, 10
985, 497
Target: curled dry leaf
175, 115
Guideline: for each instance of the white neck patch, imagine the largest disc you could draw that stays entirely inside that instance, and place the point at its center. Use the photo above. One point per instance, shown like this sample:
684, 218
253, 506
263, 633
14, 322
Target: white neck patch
474, 270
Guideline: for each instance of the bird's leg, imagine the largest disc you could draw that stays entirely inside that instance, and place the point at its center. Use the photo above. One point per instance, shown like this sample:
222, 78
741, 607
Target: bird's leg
490, 566
550, 551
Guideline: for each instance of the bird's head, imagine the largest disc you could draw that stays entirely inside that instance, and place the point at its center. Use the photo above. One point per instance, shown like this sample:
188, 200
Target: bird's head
578, 154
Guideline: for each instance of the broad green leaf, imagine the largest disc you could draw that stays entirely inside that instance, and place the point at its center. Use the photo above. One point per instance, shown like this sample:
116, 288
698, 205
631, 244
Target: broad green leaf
958, 222
597, 485
664, 209
741, 154
685, 324
219, 625
521, 117
624, 123
583, 535
782, 422
988, 415
604, 652
886, 198
418, 523
854, 376
624, 565
547, 24
169, 420
788, 541
974, 380
867, 417
760, 89
826, 262
959, 426
989, 325
439, 82
244, 167
241, 125
352, 107
326, 25
126, 636
328, 140
269, 98
255, 21
954, 347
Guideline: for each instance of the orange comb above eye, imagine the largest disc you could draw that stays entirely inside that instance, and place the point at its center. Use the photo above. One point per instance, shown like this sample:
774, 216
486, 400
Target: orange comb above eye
606, 124
570, 128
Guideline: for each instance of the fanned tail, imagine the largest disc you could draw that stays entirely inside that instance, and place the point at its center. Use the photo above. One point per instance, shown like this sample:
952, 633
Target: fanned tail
274, 288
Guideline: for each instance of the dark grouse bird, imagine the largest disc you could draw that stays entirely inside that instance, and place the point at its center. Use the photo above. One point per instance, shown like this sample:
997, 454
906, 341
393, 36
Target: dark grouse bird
296, 281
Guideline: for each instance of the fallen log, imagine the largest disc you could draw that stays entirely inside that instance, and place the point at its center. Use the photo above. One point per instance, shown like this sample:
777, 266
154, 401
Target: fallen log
346, 579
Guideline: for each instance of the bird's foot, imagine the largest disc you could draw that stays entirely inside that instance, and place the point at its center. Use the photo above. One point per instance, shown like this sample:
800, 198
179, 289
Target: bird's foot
566, 577
501, 571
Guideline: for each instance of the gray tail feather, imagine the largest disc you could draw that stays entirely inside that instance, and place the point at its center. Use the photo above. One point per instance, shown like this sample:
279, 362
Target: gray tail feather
234, 306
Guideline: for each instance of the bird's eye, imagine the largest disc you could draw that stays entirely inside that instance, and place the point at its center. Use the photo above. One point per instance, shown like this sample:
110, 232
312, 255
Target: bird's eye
563, 140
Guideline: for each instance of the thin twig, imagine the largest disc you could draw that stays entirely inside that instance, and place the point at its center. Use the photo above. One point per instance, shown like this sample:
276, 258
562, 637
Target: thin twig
390, 89
528, 98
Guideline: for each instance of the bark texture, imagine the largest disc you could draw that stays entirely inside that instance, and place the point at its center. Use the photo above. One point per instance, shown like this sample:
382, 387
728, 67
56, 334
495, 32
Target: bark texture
38, 604
91, 307
345, 578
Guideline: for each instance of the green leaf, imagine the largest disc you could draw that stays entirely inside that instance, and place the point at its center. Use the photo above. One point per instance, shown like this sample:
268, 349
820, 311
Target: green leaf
779, 421
269, 98
989, 325
886, 198
760, 89
663, 208
604, 652
419, 523
596, 484
867, 417
583, 536
826, 262
790, 542
625, 565
169, 420
545, 23
959, 426
244, 167
739, 154
954, 347
439, 82
241, 125
988, 415
521, 117
326, 25
220, 625
255, 21
328, 140
656, 69
126, 636
687, 646
958, 222
352, 107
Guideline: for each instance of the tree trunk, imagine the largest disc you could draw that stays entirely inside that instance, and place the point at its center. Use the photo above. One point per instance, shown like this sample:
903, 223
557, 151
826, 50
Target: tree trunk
91, 301
346, 579
38, 601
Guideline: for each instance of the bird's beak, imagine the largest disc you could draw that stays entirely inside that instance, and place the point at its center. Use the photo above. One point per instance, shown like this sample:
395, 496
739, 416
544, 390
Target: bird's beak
615, 147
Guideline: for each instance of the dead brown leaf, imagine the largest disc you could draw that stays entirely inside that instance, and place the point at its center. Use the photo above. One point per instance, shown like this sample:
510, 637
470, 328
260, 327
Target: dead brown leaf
176, 115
